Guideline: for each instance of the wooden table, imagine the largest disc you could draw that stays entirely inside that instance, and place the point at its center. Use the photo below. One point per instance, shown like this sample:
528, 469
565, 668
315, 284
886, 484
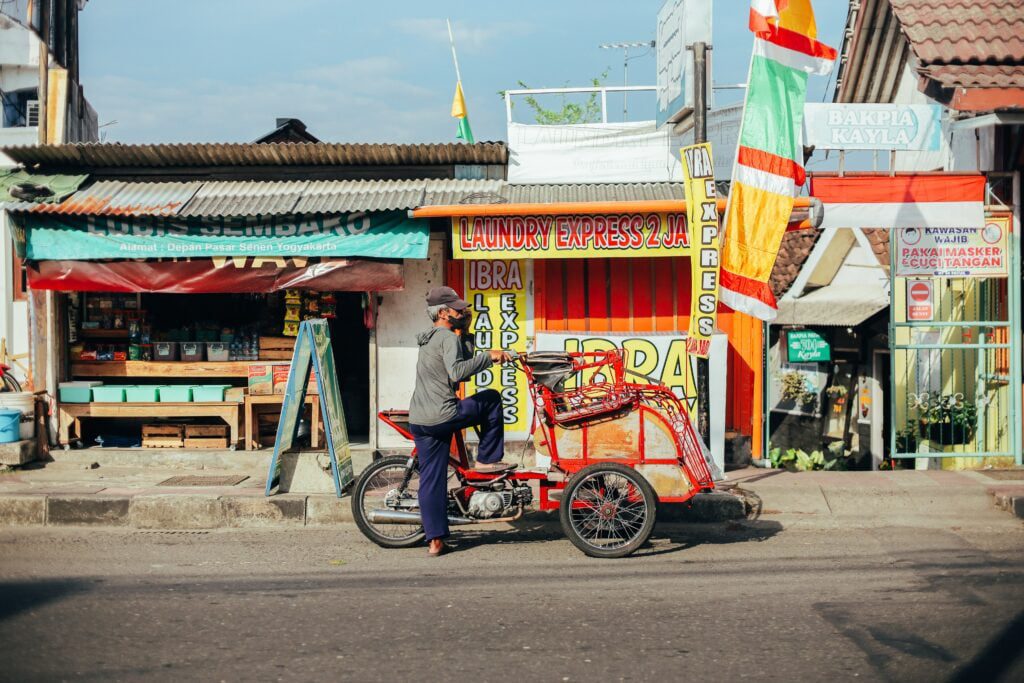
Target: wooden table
252, 437
74, 412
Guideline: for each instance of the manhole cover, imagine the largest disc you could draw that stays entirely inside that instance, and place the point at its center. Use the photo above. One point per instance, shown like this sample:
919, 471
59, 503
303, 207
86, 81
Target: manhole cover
1005, 474
193, 480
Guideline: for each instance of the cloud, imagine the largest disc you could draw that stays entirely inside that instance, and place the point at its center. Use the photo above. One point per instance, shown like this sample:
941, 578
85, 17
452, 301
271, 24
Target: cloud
468, 37
367, 99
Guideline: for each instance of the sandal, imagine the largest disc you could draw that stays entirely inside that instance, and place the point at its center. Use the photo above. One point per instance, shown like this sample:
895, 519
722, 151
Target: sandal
439, 550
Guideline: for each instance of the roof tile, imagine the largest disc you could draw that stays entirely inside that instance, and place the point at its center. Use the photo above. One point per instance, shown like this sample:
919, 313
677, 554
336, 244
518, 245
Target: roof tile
795, 248
966, 43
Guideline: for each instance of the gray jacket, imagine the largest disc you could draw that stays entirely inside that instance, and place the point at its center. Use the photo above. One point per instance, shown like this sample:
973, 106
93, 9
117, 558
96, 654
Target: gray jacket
444, 362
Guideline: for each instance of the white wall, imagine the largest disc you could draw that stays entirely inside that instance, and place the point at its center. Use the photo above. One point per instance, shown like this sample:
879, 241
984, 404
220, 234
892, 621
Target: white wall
13, 314
402, 315
18, 45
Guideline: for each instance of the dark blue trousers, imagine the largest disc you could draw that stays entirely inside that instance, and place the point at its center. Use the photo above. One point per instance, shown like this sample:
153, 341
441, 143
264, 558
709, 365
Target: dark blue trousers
434, 443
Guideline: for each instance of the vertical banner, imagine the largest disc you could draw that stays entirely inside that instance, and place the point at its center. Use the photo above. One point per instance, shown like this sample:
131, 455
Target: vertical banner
702, 215
496, 290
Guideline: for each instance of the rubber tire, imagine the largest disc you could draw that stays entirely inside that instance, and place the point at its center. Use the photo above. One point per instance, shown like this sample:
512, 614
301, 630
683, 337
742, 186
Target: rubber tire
10, 384
650, 500
357, 506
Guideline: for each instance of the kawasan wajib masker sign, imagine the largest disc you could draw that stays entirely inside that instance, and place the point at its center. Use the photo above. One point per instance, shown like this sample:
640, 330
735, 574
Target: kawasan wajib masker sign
954, 252
570, 236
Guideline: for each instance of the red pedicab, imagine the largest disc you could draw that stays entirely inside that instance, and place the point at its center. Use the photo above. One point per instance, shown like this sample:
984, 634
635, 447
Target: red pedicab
608, 450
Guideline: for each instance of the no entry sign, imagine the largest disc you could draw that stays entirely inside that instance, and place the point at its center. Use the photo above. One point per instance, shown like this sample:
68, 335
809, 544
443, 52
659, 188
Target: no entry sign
920, 300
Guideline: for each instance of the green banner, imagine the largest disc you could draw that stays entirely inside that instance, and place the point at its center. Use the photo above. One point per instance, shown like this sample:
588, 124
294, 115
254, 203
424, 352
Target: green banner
376, 235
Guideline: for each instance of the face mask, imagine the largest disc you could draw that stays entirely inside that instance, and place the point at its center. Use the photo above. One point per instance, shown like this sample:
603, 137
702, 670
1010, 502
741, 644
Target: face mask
462, 322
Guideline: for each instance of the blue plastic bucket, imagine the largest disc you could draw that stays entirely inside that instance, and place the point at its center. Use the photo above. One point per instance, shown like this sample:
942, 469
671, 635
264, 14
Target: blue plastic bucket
10, 425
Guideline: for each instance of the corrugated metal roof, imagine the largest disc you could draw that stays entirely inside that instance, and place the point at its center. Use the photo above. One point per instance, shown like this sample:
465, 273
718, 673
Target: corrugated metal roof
234, 198
384, 195
119, 198
251, 198
604, 192
94, 155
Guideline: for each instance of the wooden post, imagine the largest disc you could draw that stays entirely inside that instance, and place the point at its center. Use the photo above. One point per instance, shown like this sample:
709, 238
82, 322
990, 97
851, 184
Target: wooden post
44, 68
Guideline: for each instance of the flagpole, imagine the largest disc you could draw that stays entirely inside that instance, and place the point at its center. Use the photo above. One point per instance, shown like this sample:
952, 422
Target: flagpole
455, 58
736, 155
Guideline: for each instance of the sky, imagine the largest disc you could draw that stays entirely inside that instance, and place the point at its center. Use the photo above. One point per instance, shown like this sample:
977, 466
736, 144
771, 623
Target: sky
224, 70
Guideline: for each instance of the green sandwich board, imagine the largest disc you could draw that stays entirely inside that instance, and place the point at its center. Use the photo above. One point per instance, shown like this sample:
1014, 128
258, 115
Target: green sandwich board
313, 350
807, 346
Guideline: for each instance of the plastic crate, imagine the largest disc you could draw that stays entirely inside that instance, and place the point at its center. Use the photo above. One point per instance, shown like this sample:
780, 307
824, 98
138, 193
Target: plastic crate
217, 352
209, 393
109, 393
75, 392
164, 351
144, 394
181, 394
190, 351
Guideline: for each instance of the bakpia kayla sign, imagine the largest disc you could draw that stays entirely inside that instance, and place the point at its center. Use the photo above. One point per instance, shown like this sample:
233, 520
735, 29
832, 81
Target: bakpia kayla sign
570, 236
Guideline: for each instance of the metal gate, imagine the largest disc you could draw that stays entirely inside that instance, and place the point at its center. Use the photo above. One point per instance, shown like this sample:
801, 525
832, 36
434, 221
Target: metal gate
955, 377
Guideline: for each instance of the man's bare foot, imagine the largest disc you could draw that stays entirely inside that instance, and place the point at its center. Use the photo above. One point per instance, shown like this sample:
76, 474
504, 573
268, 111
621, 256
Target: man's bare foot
436, 547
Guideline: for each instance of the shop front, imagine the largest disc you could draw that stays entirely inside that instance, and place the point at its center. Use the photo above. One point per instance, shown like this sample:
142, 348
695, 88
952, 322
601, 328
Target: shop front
587, 276
177, 332
954, 321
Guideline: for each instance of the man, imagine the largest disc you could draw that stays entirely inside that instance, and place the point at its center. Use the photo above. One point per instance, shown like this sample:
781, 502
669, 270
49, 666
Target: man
436, 413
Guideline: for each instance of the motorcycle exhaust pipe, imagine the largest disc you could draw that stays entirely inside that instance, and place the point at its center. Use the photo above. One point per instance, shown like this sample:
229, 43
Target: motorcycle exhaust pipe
404, 517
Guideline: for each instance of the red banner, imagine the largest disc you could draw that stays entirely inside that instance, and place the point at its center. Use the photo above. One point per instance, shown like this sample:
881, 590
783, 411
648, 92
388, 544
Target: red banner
231, 275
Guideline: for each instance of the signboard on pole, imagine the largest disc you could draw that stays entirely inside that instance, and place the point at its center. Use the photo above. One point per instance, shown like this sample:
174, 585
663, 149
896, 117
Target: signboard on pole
954, 252
680, 24
807, 346
920, 300
313, 349
702, 214
895, 127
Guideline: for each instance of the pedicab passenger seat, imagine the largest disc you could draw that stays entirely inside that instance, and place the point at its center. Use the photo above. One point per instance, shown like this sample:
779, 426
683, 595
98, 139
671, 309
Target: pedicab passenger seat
585, 404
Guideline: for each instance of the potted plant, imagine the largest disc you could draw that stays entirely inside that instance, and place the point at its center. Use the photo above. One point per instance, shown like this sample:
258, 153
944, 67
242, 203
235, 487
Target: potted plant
907, 438
794, 388
949, 421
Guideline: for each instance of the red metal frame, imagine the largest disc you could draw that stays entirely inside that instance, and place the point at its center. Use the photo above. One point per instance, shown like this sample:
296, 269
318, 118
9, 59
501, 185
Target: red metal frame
613, 395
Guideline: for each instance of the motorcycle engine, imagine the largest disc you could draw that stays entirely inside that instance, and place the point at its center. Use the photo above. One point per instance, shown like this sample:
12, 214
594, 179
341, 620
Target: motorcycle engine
491, 504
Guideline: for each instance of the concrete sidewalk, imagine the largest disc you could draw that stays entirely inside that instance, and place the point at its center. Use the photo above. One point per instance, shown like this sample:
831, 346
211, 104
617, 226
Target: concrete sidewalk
110, 488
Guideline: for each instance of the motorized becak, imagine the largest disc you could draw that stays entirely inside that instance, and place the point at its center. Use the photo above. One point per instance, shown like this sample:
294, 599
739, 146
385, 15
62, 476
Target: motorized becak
610, 445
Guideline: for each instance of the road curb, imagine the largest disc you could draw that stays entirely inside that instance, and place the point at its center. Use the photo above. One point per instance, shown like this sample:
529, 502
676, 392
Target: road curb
87, 510
22, 510
1009, 498
191, 511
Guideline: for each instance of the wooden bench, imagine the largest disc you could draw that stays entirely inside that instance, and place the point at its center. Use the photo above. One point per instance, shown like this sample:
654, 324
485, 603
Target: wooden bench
72, 414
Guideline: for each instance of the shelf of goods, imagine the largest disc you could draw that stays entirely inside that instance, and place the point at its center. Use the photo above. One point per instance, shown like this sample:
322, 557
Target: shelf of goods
139, 368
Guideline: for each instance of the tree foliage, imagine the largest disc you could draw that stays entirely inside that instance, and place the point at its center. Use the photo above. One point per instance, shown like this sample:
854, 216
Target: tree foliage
570, 112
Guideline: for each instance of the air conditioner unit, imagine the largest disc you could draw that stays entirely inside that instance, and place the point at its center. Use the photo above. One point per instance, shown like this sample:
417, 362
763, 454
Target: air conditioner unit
32, 113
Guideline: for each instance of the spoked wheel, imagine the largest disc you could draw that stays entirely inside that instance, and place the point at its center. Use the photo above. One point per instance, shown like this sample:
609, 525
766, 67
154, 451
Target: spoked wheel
608, 510
10, 384
379, 487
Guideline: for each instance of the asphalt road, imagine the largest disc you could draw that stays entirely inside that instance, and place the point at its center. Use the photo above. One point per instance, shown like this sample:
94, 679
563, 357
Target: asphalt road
712, 603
